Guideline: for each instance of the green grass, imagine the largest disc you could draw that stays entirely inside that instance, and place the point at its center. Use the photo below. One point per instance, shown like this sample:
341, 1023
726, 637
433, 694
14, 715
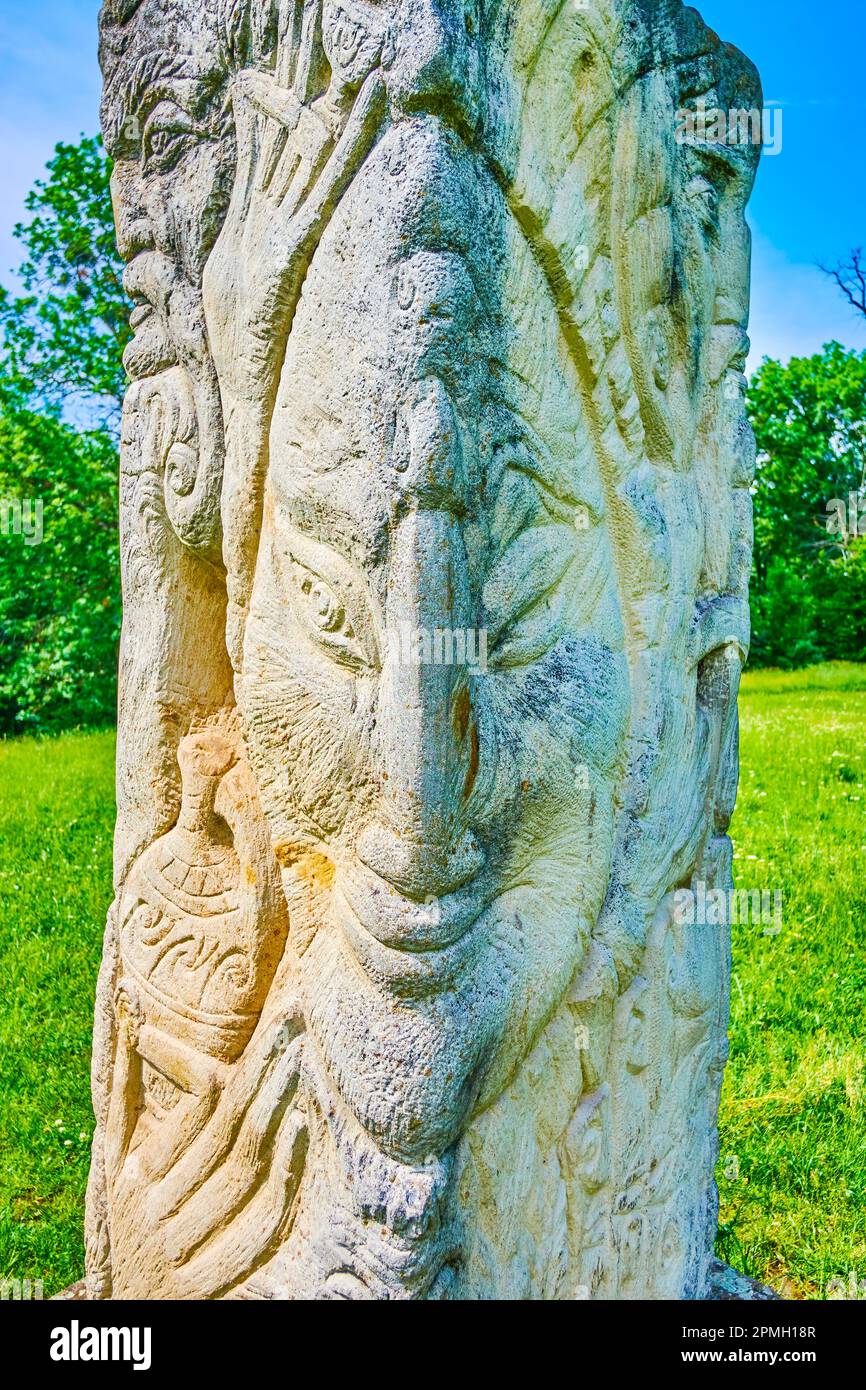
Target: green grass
838, 676
793, 1167
56, 818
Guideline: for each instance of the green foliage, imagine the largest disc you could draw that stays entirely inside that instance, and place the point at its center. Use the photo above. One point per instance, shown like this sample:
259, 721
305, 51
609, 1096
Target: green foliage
783, 620
62, 342
809, 590
60, 352
839, 589
59, 599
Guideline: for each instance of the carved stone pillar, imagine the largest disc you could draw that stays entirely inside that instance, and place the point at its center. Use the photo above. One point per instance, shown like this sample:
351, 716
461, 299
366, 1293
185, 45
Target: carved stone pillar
436, 544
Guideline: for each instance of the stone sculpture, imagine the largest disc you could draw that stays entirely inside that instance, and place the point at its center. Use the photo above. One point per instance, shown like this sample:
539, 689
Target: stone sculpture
436, 542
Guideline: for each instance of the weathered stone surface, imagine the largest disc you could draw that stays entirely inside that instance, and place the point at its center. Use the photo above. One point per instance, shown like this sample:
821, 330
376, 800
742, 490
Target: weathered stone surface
76, 1293
729, 1286
436, 543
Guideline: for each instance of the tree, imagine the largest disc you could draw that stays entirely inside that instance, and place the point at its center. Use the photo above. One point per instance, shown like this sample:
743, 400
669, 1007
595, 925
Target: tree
59, 590
850, 276
61, 343
61, 346
809, 586
783, 620
838, 587
809, 419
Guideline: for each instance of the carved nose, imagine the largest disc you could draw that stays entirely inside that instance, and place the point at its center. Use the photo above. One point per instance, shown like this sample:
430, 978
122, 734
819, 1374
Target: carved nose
426, 748
419, 868
439, 67
132, 224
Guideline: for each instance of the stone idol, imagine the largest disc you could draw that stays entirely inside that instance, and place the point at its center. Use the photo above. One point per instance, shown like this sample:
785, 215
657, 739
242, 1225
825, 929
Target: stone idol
436, 534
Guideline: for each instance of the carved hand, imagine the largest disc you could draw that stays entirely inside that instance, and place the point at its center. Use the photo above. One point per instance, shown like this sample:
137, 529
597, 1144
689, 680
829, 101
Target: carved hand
294, 162
204, 1197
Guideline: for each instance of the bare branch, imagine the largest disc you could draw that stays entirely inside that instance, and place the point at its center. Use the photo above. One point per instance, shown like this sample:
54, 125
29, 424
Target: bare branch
850, 276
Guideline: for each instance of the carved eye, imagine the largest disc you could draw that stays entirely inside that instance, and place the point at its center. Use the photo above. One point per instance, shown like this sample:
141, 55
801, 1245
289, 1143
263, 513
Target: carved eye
524, 598
168, 135
325, 610
334, 613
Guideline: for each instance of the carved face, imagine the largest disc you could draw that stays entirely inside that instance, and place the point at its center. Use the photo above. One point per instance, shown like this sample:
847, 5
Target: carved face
433, 691
172, 167
684, 275
713, 186
457, 479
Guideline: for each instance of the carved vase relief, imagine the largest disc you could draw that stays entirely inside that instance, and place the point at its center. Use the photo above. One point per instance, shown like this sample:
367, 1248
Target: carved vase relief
436, 543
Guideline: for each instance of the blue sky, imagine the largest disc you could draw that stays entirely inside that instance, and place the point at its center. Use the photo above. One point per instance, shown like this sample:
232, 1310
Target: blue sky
809, 203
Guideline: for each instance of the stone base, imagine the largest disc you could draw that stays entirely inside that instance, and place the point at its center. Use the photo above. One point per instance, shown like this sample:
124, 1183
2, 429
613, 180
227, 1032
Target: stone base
727, 1285
76, 1293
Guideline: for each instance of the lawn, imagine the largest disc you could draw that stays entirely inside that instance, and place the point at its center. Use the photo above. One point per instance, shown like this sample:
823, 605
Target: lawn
56, 819
793, 1167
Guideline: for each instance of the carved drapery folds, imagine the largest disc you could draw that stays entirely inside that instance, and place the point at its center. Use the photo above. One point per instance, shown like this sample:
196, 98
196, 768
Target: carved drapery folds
436, 539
